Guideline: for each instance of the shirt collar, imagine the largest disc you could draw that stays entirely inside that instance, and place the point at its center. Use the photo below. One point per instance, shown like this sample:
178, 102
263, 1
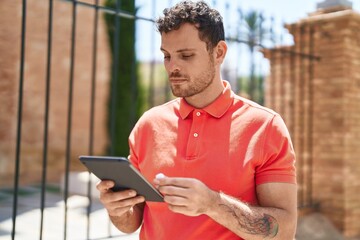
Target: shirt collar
216, 109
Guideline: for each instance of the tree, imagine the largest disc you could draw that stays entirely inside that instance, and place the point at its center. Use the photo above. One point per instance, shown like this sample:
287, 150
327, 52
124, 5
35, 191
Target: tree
254, 34
124, 100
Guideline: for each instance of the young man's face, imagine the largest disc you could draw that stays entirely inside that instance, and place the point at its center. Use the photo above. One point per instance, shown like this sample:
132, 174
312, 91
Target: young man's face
189, 65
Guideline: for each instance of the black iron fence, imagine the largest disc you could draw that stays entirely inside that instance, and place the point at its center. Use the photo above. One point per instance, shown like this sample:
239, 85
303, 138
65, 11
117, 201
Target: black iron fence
253, 32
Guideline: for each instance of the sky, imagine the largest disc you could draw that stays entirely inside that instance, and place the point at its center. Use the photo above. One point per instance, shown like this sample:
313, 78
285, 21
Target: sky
282, 11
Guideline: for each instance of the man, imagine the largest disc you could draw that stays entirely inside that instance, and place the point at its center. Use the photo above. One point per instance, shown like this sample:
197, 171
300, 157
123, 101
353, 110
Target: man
228, 162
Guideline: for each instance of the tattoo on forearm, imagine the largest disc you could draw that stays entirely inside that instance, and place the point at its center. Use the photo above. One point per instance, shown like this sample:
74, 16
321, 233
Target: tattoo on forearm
260, 224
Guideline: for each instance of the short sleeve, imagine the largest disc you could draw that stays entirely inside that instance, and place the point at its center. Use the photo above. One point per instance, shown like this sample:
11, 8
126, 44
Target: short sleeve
278, 161
133, 138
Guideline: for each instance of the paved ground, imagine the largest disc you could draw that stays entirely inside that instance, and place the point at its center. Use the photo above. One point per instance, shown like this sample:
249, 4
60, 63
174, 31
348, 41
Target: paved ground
28, 219
311, 227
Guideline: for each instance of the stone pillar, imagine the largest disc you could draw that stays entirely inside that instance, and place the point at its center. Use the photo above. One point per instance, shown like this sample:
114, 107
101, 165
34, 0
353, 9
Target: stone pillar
319, 99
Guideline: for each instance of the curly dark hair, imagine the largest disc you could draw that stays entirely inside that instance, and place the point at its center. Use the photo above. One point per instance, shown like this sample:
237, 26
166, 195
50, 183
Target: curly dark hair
207, 20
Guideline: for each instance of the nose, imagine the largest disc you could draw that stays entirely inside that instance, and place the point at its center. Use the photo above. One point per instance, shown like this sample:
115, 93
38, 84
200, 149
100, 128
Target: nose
173, 66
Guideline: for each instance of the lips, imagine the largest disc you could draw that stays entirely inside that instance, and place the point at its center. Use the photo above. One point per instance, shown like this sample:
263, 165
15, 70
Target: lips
178, 80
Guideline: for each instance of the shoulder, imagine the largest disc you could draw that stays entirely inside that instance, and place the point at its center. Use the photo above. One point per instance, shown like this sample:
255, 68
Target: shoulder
252, 110
159, 114
161, 111
259, 117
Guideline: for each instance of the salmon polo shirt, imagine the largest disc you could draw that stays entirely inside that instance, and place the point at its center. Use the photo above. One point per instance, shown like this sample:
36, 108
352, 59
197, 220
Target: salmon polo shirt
231, 145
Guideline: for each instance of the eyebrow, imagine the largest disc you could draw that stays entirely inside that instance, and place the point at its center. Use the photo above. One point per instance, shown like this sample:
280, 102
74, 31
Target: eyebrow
180, 50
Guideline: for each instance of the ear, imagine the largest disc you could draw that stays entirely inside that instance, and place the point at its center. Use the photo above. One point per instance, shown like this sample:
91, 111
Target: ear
220, 52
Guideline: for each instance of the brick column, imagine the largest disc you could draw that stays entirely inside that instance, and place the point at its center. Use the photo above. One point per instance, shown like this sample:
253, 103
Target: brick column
320, 101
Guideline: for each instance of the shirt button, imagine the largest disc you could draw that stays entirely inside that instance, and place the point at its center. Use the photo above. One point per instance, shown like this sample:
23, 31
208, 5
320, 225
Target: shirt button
196, 135
198, 114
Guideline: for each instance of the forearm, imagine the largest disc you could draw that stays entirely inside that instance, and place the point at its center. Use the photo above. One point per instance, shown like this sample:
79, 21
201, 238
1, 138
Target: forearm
250, 222
130, 221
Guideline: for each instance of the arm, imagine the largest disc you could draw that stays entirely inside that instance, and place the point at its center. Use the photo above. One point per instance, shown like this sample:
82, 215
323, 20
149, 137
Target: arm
275, 218
125, 209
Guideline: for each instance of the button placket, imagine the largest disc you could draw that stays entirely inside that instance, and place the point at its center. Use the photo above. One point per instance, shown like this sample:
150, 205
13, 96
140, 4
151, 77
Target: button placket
195, 132
198, 114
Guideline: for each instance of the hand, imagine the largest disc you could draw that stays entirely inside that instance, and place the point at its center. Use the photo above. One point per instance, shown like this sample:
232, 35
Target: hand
187, 196
117, 203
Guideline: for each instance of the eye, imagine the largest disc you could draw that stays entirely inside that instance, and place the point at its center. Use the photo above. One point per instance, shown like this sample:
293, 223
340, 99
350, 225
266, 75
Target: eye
187, 56
166, 57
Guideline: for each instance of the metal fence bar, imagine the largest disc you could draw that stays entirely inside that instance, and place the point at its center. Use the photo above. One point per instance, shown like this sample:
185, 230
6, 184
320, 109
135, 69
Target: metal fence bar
282, 81
301, 54
134, 92
261, 75
114, 78
151, 99
310, 115
69, 120
119, 12
19, 120
92, 113
292, 85
46, 118
296, 85
114, 83
301, 116
273, 57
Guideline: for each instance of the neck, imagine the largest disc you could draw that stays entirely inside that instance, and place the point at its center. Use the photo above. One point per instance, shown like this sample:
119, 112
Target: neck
207, 96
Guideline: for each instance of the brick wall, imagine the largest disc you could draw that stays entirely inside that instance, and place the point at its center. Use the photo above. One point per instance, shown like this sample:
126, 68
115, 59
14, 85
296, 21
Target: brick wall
34, 88
321, 105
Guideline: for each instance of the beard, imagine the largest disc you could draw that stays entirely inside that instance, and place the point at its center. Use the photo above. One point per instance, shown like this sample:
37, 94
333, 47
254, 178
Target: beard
193, 85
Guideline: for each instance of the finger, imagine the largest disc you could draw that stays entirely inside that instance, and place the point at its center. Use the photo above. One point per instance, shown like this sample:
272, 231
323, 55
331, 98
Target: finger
129, 202
186, 210
179, 182
110, 196
158, 177
175, 200
105, 185
118, 211
174, 191
178, 209
122, 207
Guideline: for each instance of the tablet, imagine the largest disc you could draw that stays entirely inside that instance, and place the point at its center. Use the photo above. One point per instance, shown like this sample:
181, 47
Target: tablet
123, 173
